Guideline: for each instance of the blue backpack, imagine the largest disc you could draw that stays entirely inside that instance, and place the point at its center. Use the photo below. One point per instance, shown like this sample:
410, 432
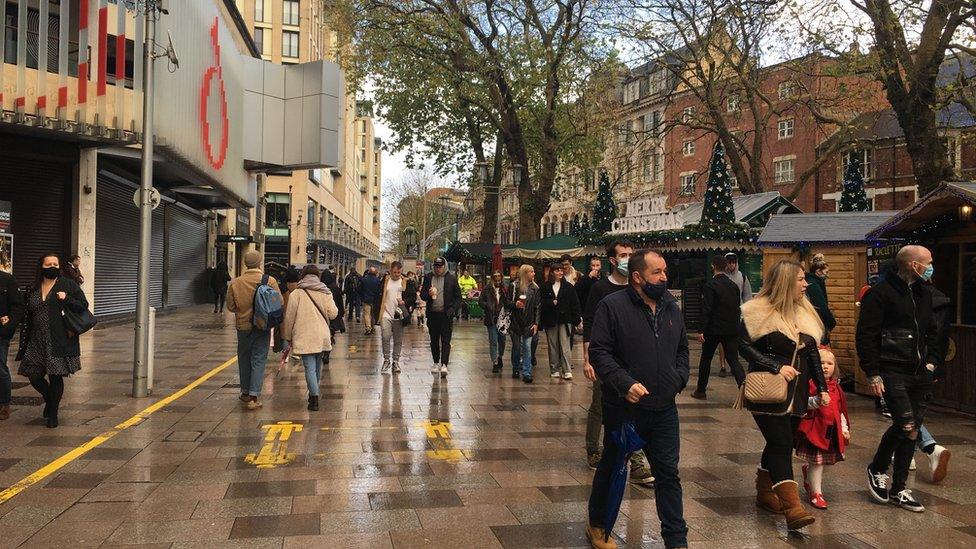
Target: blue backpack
269, 309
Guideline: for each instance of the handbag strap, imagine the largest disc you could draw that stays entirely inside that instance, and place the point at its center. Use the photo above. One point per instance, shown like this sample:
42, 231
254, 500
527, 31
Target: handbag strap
316, 305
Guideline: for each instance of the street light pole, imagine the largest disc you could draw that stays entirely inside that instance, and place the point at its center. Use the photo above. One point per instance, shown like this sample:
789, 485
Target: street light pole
140, 366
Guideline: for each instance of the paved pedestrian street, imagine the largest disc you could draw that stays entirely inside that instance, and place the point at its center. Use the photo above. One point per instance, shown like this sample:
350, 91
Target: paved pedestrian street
476, 460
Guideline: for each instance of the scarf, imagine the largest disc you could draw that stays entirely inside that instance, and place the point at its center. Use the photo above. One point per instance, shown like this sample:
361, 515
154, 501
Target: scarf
313, 284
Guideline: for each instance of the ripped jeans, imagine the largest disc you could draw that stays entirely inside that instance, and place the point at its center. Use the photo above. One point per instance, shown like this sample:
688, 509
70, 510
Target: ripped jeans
908, 397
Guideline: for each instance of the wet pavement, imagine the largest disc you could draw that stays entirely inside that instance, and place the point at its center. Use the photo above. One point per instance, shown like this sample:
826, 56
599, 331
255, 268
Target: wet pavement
476, 460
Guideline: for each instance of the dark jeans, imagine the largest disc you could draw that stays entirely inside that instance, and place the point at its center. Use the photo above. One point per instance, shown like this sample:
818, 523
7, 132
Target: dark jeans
4, 372
777, 456
730, 344
354, 305
908, 397
441, 328
661, 431
219, 298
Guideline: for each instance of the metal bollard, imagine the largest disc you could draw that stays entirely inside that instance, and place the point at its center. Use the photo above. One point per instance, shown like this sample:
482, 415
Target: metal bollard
151, 361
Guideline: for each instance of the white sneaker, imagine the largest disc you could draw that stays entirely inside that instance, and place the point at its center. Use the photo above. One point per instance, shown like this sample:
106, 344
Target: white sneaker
396, 367
905, 500
939, 459
443, 370
554, 375
435, 369
912, 466
386, 366
568, 375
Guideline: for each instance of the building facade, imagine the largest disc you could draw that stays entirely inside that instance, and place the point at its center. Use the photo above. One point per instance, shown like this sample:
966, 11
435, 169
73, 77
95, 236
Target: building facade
327, 216
71, 104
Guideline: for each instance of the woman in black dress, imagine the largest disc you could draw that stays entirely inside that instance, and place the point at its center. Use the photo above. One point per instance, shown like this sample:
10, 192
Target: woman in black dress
47, 348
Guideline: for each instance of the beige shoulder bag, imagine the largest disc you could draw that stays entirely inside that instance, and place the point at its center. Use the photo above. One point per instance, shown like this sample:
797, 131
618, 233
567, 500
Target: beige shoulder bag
765, 387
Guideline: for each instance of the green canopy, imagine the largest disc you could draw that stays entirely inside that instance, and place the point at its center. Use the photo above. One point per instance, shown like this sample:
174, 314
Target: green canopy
552, 247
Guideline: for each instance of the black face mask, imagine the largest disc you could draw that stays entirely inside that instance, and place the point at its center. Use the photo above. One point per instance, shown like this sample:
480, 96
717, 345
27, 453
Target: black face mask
655, 291
50, 273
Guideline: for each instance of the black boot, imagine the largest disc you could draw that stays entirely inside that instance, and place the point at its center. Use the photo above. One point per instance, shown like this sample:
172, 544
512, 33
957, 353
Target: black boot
52, 420
497, 366
313, 403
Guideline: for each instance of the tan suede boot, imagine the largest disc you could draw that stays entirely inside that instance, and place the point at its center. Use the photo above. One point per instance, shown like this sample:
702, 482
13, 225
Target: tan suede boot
796, 515
766, 499
598, 538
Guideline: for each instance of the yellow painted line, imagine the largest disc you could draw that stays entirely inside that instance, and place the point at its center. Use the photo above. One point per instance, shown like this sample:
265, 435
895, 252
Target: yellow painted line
60, 462
361, 428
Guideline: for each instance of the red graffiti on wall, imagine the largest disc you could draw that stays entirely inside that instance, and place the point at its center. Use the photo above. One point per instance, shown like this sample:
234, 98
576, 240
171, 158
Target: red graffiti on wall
213, 82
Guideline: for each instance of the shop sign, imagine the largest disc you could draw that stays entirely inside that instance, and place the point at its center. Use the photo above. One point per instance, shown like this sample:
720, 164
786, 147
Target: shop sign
647, 214
243, 221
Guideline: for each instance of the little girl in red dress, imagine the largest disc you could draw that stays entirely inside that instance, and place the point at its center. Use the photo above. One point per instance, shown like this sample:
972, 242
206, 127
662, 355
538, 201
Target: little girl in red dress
823, 432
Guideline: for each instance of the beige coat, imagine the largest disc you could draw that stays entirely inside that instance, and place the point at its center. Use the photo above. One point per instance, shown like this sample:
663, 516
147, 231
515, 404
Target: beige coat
304, 326
240, 296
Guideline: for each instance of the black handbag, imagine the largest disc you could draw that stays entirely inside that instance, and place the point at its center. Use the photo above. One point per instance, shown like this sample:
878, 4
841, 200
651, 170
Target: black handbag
78, 323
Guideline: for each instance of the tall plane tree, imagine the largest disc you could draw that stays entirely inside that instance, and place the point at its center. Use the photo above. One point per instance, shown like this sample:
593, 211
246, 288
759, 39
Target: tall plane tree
513, 71
908, 41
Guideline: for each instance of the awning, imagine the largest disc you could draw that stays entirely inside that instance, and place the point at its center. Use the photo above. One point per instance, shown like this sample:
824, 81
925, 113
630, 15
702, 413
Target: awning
838, 228
943, 202
552, 247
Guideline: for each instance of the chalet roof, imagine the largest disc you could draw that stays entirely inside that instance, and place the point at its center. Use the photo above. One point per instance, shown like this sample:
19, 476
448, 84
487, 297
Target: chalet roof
820, 228
747, 207
947, 198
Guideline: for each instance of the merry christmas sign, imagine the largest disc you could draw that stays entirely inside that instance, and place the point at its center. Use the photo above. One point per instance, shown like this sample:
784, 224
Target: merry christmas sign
647, 214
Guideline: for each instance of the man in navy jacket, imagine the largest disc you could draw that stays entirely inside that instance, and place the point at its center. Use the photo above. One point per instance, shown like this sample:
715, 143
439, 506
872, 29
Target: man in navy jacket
639, 348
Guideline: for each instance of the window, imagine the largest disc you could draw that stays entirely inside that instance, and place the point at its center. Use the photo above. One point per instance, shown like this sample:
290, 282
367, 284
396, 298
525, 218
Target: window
688, 147
787, 90
786, 128
631, 91
952, 154
733, 179
688, 183
264, 46
732, 103
290, 12
622, 135
589, 180
276, 211
652, 167
783, 171
259, 10
310, 217
658, 81
630, 132
289, 44
866, 157
688, 114
652, 123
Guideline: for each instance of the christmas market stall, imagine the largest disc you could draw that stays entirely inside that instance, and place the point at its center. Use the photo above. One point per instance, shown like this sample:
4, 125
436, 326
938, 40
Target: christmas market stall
477, 257
943, 221
689, 235
842, 239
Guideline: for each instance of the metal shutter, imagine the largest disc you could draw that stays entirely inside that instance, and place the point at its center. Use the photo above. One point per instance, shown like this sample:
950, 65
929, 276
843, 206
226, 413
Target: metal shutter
186, 283
38, 192
117, 250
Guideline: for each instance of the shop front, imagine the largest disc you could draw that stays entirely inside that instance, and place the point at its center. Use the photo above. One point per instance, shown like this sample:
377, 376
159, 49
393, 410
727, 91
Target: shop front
852, 259
943, 220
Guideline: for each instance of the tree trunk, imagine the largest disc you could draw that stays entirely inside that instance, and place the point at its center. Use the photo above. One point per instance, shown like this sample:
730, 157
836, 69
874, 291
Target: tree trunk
489, 223
930, 162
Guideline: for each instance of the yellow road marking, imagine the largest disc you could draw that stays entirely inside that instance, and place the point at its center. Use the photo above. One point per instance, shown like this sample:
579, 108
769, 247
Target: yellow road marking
360, 428
275, 450
439, 435
60, 462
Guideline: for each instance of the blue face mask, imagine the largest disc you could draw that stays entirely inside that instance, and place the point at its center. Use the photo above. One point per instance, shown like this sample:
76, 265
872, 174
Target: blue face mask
928, 272
622, 266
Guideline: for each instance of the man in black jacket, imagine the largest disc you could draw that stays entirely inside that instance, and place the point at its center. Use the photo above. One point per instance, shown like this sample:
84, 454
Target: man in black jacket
897, 343
721, 312
639, 348
11, 312
442, 294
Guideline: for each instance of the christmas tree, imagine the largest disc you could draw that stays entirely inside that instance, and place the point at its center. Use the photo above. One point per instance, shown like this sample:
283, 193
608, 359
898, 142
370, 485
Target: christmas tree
717, 208
853, 198
605, 210
574, 228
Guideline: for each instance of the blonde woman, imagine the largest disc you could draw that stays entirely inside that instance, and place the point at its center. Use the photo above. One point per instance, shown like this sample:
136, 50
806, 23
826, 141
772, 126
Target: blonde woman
777, 323
525, 305
306, 327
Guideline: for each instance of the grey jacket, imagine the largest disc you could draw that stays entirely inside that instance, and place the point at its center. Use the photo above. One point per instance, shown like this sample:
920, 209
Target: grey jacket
523, 319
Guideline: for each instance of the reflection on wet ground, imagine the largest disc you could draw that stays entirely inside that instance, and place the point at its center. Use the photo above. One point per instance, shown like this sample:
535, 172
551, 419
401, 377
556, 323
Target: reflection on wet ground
475, 460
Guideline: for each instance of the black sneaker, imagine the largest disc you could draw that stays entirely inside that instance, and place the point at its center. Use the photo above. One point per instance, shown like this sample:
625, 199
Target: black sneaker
878, 486
905, 500
516, 374
527, 379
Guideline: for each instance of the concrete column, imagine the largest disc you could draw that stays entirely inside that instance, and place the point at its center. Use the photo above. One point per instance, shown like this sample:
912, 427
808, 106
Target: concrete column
83, 218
